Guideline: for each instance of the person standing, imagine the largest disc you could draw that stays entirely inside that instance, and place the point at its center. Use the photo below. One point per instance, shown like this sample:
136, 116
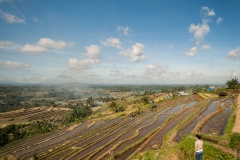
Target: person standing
198, 148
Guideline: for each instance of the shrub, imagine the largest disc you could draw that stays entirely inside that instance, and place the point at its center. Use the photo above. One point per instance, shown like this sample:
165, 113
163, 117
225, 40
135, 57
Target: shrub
222, 94
3, 158
235, 141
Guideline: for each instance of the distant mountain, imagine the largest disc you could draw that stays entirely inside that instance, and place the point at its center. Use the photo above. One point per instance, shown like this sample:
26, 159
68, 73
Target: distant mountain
4, 82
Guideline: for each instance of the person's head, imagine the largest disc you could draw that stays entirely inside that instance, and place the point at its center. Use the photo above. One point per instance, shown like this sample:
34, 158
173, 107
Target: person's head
198, 136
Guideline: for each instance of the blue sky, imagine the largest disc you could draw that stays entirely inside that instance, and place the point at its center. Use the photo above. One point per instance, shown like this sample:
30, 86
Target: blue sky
120, 41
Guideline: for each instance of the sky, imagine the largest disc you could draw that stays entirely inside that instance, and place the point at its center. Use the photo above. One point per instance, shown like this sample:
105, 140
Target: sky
120, 41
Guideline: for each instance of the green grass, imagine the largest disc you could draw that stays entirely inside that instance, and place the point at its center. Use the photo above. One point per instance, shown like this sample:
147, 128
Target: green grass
3, 158
185, 151
230, 123
235, 141
210, 153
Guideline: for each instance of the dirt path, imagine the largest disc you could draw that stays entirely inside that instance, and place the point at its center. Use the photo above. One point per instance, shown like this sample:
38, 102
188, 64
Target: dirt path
236, 128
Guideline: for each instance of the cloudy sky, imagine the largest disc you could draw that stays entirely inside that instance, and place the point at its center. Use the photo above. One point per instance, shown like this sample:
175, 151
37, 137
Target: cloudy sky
120, 41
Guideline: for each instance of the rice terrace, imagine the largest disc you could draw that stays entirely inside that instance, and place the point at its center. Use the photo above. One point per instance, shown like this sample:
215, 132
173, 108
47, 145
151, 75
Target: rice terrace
118, 122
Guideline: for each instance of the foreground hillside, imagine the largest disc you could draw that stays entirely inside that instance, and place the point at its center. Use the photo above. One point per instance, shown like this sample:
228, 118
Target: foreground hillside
163, 128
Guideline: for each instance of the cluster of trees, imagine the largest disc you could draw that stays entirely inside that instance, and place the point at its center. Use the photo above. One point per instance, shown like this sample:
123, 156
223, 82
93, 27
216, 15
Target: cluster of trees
145, 99
17, 97
233, 83
116, 107
148, 92
105, 99
61, 95
14, 132
78, 113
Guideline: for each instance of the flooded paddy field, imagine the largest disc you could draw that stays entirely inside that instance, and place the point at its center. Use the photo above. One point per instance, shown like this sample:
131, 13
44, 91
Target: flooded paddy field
206, 110
217, 123
156, 141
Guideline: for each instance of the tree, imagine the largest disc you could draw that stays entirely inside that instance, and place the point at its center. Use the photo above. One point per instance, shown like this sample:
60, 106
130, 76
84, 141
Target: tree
144, 99
35, 157
206, 87
233, 83
153, 106
115, 107
90, 101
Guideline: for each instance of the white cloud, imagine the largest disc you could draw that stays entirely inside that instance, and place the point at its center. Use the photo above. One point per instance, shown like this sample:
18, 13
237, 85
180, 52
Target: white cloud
6, 44
170, 46
93, 53
231, 74
193, 51
118, 73
48, 43
43, 78
207, 11
155, 70
206, 47
194, 74
234, 54
112, 42
115, 73
136, 53
10, 18
174, 75
2, 1
81, 64
130, 75
125, 30
32, 49
199, 31
36, 20
151, 67
13, 65
219, 20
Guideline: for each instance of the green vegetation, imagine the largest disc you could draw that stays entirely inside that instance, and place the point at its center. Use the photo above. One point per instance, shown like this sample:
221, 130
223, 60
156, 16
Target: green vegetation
235, 141
78, 113
13, 132
233, 83
3, 158
185, 151
116, 107
145, 99
210, 152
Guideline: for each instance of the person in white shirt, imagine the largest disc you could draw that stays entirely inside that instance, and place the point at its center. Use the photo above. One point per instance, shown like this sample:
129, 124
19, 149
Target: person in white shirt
198, 148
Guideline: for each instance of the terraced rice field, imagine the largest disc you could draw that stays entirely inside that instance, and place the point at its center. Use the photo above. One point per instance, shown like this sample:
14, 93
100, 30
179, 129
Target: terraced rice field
118, 138
34, 114
217, 123
187, 128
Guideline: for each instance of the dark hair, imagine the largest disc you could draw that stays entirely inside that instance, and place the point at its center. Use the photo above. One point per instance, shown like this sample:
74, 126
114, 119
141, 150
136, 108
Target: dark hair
198, 136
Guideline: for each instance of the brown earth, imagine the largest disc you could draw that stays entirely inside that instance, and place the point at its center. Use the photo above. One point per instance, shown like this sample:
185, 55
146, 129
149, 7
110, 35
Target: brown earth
236, 127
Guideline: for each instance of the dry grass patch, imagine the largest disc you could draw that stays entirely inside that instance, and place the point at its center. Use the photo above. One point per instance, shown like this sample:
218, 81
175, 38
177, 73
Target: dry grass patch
202, 95
236, 127
96, 108
211, 95
72, 127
